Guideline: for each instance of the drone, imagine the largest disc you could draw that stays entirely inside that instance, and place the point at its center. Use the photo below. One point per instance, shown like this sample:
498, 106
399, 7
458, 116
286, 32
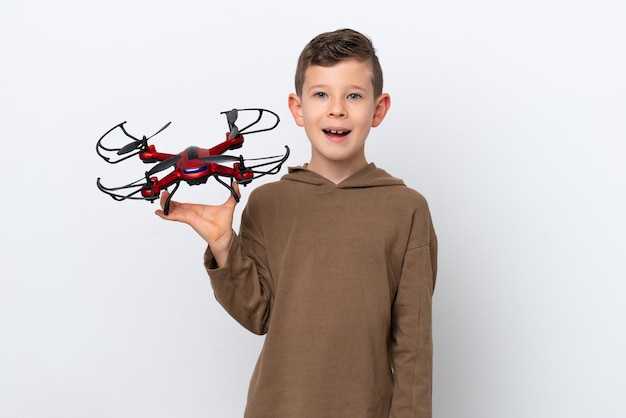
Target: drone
193, 165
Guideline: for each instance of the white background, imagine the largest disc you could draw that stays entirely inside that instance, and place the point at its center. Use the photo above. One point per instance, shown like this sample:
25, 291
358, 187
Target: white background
510, 117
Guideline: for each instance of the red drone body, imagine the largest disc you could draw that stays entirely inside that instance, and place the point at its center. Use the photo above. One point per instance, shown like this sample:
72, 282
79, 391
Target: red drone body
190, 168
194, 165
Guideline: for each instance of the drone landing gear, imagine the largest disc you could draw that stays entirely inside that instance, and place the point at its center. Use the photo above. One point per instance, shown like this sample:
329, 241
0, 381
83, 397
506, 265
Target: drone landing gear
229, 187
166, 207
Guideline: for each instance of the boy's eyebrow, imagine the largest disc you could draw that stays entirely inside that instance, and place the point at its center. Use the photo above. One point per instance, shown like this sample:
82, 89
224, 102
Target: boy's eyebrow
349, 87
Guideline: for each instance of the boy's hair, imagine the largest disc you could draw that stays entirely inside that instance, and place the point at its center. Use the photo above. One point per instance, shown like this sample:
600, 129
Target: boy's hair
330, 48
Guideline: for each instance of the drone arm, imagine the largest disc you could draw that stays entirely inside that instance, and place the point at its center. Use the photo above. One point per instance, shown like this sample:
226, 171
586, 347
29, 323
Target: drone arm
237, 172
151, 155
153, 190
228, 144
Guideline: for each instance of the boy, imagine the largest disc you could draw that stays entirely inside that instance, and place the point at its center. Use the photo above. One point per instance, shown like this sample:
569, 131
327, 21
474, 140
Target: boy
335, 263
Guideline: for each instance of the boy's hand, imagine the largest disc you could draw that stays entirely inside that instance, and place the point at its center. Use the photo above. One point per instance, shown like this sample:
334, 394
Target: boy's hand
213, 223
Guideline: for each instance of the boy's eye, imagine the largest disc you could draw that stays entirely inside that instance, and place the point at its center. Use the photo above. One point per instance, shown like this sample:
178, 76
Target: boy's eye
320, 94
354, 96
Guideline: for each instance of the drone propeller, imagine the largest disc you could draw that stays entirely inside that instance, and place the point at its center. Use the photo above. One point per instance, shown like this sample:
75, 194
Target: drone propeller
163, 165
131, 146
220, 159
136, 144
160, 130
231, 118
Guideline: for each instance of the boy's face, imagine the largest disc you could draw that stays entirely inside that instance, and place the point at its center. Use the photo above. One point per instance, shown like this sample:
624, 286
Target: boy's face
337, 110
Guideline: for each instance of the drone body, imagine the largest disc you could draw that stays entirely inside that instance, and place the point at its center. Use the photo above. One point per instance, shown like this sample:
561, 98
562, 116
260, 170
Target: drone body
194, 165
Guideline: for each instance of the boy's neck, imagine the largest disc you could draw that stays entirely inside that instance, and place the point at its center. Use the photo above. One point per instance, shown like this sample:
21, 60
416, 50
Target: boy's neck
336, 173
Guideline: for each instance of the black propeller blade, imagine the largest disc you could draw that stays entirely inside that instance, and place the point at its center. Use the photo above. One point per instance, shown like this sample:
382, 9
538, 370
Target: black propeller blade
234, 133
219, 158
138, 144
231, 118
163, 165
160, 130
131, 146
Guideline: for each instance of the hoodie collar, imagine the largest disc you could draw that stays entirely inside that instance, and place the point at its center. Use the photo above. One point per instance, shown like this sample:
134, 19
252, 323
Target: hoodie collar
368, 176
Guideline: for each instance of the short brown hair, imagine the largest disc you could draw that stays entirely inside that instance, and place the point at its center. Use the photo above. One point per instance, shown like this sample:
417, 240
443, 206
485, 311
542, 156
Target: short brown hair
330, 48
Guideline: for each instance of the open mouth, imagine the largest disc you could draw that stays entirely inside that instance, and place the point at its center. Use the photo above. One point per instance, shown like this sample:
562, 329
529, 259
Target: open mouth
335, 133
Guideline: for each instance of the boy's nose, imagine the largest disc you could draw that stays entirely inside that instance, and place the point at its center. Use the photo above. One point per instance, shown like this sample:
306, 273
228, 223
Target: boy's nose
337, 108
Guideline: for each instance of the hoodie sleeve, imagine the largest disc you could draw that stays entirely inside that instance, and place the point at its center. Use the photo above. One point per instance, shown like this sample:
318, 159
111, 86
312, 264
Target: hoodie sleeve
243, 286
412, 345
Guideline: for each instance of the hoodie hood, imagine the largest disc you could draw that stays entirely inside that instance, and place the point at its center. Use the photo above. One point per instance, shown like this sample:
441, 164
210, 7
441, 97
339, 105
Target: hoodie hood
368, 176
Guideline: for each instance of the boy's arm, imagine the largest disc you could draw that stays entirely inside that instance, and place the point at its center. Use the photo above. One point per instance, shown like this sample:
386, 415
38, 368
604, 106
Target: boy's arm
412, 345
240, 288
242, 283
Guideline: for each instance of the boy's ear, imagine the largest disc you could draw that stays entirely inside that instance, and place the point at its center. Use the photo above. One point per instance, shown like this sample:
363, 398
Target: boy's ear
295, 107
382, 107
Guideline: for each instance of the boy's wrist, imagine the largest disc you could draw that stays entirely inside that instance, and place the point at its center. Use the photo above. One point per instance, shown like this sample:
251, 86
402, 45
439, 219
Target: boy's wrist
221, 246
